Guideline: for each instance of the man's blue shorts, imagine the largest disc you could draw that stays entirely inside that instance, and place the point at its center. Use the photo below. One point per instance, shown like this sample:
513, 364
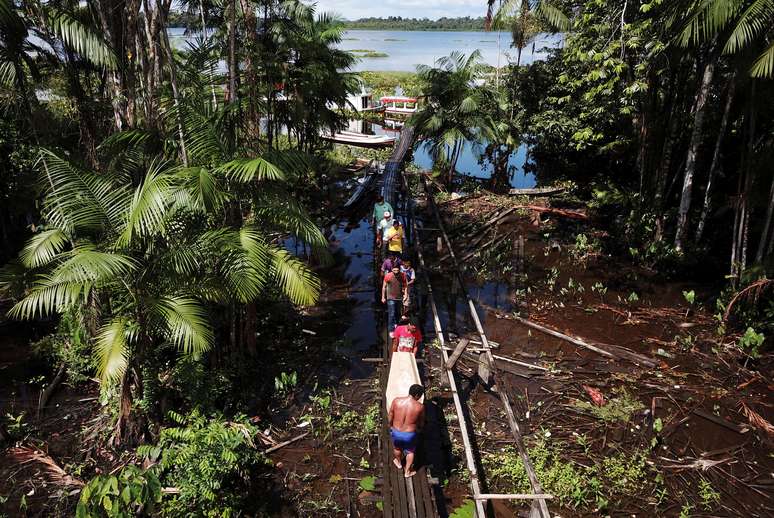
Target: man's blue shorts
406, 441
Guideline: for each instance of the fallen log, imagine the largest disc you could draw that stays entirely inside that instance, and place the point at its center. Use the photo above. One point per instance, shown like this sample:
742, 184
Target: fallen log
285, 443
463, 343
613, 351
45, 396
537, 191
566, 213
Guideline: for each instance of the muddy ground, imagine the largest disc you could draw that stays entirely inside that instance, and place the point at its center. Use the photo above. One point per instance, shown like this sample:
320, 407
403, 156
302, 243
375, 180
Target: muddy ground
687, 437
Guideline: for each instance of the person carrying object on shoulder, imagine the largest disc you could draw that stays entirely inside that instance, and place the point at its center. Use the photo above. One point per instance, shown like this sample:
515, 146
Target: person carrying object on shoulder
381, 230
393, 293
406, 418
407, 337
395, 238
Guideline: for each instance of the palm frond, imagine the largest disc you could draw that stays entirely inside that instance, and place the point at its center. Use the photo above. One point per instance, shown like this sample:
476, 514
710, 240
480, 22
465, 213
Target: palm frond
48, 296
78, 199
81, 39
755, 19
764, 64
149, 204
202, 185
251, 169
86, 265
185, 323
293, 277
552, 15
111, 346
43, 247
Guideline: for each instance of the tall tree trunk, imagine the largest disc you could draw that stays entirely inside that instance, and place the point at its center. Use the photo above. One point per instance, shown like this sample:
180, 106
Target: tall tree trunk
206, 33
742, 218
173, 81
232, 58
251, 76
766, 243
693, 149
715, 166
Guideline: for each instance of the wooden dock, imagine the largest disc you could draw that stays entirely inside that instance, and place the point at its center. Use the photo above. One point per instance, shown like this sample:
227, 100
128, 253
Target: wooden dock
401, 497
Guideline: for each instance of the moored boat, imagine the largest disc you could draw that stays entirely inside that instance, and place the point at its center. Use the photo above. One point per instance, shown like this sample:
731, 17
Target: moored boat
399, 104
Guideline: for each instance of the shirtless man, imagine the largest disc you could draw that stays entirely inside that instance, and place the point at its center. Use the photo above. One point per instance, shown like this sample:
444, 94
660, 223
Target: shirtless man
406, 417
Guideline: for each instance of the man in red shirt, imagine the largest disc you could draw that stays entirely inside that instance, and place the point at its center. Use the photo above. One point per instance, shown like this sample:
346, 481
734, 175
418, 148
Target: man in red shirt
393, 292
407, 337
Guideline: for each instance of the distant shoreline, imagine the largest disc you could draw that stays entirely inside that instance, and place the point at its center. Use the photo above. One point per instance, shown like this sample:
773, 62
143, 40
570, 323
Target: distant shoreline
464, 24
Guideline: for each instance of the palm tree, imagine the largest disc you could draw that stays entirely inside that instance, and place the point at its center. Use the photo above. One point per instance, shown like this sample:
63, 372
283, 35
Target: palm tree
49, 34
451, 114
525, 19
741, 25
148, 261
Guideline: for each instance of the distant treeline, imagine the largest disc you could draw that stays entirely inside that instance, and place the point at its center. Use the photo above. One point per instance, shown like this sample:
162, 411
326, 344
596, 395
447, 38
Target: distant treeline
418, 24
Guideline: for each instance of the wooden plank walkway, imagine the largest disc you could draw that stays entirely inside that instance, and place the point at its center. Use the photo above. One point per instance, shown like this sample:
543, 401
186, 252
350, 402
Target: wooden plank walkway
402, 497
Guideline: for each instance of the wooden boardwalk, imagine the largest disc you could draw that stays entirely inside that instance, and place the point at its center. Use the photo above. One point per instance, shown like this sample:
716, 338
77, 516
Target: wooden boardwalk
402, 497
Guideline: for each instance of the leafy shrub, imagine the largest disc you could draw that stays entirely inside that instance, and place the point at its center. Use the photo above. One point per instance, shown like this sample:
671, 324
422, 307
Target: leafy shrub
211, 461
751, 342
132, 492
572, 484
202, 387
69, 346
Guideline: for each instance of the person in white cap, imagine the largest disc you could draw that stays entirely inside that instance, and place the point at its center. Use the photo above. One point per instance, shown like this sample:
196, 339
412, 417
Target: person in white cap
381, 230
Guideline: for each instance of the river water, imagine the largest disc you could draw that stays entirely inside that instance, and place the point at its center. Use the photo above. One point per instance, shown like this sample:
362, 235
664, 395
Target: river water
407, 49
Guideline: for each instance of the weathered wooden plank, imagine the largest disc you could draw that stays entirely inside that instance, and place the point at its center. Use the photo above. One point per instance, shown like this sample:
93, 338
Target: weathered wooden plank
461, 345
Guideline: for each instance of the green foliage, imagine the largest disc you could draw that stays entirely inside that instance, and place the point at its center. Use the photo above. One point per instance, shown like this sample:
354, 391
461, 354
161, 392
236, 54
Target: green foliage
385, 83
689, 296
709, 496
399, 23
201, 386
16, 425
70, 347
212, 461
367, 483
619, 408
285, 383
132, 492
572, 484
466, 510
751, 342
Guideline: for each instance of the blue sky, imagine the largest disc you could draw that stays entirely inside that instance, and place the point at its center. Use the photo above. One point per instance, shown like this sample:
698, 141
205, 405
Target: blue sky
353, 9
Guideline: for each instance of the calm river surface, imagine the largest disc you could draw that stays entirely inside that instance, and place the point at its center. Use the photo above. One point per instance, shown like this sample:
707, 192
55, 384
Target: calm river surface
407, 49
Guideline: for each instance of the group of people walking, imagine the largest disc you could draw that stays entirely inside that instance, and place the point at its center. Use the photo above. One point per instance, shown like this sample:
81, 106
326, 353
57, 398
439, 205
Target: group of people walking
406, 414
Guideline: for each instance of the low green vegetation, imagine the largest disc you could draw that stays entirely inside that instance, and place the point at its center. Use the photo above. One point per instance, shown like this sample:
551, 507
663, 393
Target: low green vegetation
384, 83
584, 485
399, 23
132, 492
618, 408
366, 53
213, 462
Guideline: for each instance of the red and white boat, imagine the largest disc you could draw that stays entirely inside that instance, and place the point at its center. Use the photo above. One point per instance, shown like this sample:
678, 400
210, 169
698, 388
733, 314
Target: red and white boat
399, 104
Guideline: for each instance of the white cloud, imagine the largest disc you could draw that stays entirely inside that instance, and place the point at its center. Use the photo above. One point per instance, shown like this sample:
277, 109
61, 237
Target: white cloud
353, 9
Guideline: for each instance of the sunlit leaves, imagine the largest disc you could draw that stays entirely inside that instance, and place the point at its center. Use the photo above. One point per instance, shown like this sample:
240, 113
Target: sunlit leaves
111, 347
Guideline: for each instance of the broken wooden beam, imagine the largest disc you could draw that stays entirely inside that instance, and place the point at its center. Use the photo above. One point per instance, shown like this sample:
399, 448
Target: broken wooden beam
285, 443
461, 345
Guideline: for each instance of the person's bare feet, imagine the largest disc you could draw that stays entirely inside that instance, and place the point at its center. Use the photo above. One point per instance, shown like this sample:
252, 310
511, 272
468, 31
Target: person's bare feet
397, 463
409, 474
